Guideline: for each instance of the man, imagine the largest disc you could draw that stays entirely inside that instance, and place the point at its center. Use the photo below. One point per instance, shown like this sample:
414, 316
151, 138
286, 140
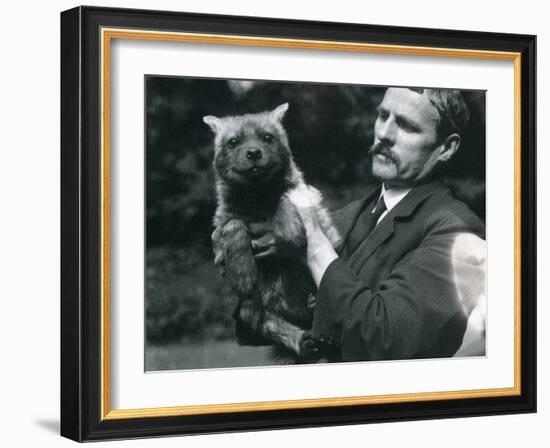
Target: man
391, 291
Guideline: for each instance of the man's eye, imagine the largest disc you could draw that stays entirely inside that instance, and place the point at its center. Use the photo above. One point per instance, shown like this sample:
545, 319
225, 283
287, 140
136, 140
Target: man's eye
268, 138
408, 127
382, 115
233, 142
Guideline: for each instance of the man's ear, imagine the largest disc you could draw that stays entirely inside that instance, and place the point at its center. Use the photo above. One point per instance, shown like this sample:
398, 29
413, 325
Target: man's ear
279, 112
213, 122
449, 148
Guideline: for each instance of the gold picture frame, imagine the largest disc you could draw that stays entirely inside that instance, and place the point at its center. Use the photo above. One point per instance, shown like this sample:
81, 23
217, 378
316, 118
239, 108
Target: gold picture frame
90, 165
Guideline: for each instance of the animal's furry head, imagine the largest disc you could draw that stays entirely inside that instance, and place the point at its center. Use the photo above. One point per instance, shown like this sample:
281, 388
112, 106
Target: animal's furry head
252, 149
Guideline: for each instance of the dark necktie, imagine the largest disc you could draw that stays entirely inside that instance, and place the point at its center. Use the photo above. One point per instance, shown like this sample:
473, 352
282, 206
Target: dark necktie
377, 212
364, 225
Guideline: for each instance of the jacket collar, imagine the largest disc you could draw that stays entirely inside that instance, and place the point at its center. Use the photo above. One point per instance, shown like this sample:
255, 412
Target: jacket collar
393, 196
346, 220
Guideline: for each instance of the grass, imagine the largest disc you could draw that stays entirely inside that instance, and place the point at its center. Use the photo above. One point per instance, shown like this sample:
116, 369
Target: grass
204, 355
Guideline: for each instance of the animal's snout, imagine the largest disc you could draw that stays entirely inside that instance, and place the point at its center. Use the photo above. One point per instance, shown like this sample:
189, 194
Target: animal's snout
253, 154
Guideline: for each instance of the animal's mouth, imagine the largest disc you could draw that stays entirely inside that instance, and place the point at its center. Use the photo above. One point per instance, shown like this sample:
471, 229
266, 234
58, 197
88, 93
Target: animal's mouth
255, 171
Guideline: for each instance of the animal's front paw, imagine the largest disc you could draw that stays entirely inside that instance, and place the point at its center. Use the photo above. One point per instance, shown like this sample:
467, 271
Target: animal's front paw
217, 246
233, 251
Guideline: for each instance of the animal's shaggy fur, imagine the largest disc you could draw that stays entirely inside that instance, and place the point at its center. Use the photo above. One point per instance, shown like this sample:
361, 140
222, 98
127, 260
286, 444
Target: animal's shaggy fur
255, 173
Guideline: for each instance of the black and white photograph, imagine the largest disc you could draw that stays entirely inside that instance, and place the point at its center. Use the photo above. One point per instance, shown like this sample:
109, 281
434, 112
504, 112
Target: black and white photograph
300, 223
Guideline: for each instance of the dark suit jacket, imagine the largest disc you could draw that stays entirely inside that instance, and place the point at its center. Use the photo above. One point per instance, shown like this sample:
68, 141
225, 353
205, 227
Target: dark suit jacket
395, 297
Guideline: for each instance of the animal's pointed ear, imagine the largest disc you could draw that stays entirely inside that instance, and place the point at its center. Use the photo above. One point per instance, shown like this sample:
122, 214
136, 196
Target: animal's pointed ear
279, 112
213, 122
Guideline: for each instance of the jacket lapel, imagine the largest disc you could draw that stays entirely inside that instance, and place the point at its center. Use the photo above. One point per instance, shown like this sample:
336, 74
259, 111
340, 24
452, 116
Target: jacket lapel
345, 218
385, 228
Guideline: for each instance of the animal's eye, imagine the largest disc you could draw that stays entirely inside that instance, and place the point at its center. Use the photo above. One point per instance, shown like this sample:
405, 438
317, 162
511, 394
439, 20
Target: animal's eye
268, 138
233, 142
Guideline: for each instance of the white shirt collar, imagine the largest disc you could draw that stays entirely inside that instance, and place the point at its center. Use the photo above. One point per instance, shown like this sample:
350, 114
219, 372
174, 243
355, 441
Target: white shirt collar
393, 196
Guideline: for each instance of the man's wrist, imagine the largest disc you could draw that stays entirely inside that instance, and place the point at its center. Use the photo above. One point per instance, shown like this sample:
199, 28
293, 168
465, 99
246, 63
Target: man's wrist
320, 254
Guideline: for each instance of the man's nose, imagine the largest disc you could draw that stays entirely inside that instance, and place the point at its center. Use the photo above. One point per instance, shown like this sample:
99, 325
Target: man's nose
385, 131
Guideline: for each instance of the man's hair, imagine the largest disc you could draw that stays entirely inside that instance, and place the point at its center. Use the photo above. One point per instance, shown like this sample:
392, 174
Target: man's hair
454, 114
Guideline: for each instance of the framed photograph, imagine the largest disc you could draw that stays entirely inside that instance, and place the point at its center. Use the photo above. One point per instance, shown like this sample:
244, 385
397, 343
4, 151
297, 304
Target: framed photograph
275, 224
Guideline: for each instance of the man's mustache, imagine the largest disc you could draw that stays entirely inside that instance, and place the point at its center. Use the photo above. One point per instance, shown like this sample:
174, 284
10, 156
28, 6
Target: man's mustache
385, 150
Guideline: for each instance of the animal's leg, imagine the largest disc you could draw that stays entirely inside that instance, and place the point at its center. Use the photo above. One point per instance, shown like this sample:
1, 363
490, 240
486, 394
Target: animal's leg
218, 248
280, 331
233, 251
248, 323
295, 339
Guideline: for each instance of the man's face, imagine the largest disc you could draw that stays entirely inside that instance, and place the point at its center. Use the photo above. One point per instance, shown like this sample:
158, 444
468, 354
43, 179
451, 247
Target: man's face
405, 138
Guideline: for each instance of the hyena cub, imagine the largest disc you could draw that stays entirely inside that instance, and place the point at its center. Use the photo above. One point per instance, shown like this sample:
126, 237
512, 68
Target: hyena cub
255, 173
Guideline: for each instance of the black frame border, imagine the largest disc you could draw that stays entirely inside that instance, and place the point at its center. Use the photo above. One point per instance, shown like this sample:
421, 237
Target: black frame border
81, 223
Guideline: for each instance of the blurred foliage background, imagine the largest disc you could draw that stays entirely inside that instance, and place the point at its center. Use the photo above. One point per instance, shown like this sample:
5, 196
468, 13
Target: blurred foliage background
330, 129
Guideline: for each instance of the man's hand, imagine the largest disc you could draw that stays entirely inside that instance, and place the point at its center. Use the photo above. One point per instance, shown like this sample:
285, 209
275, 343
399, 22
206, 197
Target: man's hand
305, 199
265, 243
263, 239
320, 253
311, 302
